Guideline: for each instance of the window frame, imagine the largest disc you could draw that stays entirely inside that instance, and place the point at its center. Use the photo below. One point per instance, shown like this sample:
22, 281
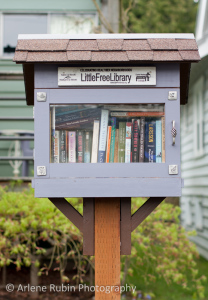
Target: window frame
48, 15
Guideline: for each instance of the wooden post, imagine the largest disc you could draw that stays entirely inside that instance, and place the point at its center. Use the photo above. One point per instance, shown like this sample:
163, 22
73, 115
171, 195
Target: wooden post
107, 248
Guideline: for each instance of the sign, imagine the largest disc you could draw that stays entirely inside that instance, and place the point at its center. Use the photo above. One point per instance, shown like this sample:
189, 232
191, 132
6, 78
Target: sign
108, 76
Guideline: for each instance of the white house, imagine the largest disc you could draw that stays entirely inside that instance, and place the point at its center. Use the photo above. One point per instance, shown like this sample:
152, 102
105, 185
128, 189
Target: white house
194, 141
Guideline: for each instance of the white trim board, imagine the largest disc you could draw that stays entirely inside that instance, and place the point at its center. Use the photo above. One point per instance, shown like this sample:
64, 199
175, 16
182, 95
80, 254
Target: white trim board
105, 36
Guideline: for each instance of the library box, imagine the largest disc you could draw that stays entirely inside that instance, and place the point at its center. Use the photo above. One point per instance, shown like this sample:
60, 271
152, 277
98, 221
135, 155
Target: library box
107, 112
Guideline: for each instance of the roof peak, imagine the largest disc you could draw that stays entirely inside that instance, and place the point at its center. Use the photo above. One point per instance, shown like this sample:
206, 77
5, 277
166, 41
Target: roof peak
128, 36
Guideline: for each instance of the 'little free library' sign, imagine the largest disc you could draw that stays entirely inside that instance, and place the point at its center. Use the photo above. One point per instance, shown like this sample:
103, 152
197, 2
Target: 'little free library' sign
129, 76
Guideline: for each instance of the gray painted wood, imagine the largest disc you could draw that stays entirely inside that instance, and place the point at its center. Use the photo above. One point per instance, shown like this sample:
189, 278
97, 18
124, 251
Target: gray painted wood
108, 180
108, 187
167, 76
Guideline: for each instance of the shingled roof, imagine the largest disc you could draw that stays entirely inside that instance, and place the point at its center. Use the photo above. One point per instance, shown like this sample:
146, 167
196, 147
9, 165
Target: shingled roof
119, 48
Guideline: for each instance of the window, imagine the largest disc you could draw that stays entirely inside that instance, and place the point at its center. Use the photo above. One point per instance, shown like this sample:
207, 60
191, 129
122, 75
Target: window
20, 24
111, 133
198, 118
14, 24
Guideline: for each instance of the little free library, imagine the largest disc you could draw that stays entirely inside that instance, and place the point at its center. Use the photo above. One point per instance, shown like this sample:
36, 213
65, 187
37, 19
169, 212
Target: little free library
107, 128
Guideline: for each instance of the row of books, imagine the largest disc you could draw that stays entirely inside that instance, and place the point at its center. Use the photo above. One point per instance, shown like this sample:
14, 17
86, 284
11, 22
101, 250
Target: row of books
115, 137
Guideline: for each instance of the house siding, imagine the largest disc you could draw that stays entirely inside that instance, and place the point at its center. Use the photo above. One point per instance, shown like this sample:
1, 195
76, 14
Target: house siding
194, 200
13, 89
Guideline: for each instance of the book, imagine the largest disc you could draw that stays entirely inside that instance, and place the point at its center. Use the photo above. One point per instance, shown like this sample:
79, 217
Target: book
158, 141
163, 138
95, 138
128, 143
135, 150
103, 135
121, 142
135, 107
53, 120
113, 135
80, 146
108, 144
71, 146
137, 114
87, 147
63, 146
56, 147
141, 140
150, 141
116, 146
76, 124
77, 115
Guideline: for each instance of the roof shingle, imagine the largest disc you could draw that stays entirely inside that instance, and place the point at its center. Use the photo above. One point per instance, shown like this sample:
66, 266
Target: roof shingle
109, 56
82, 45
110, 44
42, 45
79, 55
46, 57
162, 44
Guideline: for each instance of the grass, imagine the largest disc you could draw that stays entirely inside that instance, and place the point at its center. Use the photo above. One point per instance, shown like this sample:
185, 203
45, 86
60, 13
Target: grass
162, 291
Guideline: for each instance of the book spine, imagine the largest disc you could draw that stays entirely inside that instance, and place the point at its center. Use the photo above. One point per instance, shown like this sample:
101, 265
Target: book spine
87, 148
80, 146
75, 123
128, 143
135, 153
69, 117
72, 146
113, 135
103, 136
63, 146
121, 142
95, 138
141, 143
137, 114
108, 144
163, 139
56, 148
53, 122
158, 141
150, 142
116, 146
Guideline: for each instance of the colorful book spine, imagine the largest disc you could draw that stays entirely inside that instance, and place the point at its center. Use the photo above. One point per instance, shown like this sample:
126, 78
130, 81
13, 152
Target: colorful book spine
113, 135
72, 146
80, 146
87, 148
103, 135
137, 114
163, 139
63, 146
121, 142
116, 146
128, 143
158, 141
108, 144
150, 141
141, 141
135, 151
56, 148
95, 138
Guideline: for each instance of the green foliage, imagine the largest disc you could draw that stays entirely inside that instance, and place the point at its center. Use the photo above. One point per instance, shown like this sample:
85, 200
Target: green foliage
32, 229
158, 16
161, 249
